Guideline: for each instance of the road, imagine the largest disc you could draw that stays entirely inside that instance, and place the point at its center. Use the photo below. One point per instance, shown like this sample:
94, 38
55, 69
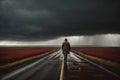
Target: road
52, 67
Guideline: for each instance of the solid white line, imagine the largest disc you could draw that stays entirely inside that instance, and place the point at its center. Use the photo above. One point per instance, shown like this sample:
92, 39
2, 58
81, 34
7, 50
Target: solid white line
22, 69
71, 55
55, 53
97, 65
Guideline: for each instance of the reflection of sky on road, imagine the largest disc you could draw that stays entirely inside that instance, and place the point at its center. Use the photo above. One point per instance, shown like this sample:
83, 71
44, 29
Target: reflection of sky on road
95, 40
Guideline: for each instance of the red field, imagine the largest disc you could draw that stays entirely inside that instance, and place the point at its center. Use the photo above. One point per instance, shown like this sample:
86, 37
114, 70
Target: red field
12, 54
112, 54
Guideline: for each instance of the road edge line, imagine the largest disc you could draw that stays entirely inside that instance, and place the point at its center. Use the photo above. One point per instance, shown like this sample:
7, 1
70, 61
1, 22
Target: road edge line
94, 63
8, 65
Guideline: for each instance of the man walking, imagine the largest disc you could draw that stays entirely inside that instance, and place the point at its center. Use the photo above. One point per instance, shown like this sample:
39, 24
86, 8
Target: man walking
66, 49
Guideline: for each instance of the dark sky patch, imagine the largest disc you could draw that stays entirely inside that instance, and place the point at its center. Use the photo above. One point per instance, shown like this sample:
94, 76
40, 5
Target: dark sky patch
48, 19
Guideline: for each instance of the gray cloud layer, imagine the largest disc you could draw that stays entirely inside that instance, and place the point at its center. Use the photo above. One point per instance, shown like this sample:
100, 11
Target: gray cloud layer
47, 19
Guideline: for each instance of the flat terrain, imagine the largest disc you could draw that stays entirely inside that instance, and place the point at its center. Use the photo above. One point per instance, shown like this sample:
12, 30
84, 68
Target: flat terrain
107, 53
8, 55
52, 67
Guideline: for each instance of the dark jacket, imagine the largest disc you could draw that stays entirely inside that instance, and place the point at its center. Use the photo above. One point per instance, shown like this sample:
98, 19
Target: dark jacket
66, 47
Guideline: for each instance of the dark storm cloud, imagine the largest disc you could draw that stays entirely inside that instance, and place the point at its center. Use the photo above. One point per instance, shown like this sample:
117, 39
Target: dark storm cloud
46, 19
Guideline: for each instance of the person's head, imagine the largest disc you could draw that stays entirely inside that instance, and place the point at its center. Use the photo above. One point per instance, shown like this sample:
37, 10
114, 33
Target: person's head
66, 40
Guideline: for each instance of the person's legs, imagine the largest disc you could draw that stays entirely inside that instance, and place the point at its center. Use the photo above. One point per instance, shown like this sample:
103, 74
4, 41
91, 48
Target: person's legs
65, 57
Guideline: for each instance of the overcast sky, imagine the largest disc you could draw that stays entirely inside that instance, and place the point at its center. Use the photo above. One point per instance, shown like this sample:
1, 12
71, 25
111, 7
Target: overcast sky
51, 20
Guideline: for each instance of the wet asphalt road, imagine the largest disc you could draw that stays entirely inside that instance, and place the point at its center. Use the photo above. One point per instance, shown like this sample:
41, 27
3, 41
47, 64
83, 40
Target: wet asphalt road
49, 68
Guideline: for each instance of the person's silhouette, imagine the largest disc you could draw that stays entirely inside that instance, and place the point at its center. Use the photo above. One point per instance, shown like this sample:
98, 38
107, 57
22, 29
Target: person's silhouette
66, 49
